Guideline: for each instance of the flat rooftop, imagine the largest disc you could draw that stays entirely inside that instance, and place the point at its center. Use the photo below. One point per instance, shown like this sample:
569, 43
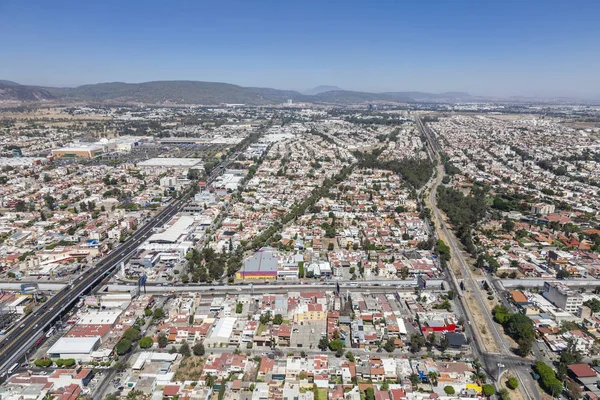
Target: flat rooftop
170, 162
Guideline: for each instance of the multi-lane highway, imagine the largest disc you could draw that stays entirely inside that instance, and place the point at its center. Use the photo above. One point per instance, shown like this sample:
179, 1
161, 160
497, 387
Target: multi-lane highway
17, 341
493, 361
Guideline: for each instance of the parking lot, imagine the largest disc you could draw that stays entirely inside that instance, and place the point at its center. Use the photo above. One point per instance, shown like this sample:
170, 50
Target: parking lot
307, 334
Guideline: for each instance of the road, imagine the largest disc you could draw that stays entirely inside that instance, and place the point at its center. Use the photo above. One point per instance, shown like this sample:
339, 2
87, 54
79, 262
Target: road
493, 362
18, 341
30, 328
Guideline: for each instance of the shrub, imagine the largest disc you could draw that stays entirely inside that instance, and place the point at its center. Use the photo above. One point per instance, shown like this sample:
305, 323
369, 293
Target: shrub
449, 390
43, 363
512, 383
489, 390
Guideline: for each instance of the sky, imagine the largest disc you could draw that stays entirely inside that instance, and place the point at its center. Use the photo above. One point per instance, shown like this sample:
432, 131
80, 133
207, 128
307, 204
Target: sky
484, 47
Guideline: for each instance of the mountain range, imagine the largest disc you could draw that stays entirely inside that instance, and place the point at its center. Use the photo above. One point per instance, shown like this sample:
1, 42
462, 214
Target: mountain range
209, 93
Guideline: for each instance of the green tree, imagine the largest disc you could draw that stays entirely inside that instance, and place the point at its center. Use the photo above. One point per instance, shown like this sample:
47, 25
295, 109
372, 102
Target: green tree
184, 350
449, 390
489, 390
390, 345
123, 347
416, 342
198, 349
512, 383
503, 393
323, 343
336, 345
20, 206
132, 334
350, 356
265, 318
162, 340
278, 319
210, 380
369, 393
414, 380
43, 363
146, 342
158, 313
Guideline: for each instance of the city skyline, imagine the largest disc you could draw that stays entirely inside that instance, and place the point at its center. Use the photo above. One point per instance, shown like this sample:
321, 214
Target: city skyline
485, 49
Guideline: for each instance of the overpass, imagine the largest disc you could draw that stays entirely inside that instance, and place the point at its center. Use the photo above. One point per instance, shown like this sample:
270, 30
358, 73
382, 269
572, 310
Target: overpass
17, 341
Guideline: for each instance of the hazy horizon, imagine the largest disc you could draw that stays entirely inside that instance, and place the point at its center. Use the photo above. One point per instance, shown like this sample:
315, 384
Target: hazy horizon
532, 49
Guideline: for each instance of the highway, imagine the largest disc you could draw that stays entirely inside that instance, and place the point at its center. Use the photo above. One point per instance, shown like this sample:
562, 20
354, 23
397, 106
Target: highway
494, 362
16, 342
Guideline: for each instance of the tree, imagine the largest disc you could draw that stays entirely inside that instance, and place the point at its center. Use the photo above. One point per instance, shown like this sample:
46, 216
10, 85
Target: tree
209, 380
198, 349
50, 201
414, 380
416, 342
432, 378
184, 350
123, 347
489, 390
132, 334
265, 318
120, 366
158, 313
449, 390
238, 308
503, 393
444, 343
146, 342
350, 356
20, 206
43, 363
390, 345
278, 319
548, 379
336, 345
323, 343
369, 393
562, 274
147, 312
162, 341
512, 383
508, 225
525, 346
593, 304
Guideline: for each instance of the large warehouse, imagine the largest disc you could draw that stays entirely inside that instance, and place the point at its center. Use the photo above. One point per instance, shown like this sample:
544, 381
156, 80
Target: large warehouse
78, 152
79, 348
260, 265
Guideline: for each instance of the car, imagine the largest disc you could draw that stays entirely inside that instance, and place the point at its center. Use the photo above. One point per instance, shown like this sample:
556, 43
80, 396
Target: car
22, 326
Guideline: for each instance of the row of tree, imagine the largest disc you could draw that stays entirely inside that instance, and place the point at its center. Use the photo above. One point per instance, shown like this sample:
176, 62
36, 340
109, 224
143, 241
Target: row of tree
517, 326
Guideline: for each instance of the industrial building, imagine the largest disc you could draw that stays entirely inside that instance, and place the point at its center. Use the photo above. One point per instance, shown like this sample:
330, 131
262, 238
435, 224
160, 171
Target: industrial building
88, 152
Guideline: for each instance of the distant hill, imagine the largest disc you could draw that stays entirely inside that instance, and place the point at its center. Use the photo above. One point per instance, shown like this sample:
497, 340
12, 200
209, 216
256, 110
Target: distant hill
321, 89
12, 91
209, 93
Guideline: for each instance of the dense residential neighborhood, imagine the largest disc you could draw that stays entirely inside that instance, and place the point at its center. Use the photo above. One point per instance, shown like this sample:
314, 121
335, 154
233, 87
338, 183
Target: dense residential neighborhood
298, 252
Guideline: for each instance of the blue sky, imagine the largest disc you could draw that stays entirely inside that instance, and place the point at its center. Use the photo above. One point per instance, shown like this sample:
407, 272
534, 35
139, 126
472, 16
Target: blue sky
485, 47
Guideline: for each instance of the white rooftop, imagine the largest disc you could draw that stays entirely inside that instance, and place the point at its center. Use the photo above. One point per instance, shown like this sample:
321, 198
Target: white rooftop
170, 162
74, 345
224, 328
99, 318
174, 232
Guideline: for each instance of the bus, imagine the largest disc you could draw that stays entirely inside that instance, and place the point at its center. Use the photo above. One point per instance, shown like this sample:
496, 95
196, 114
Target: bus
12, 369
